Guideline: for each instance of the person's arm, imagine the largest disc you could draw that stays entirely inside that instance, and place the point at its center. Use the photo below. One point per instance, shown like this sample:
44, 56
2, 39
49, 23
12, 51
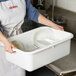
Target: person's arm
31, 12
7, 44
47, 22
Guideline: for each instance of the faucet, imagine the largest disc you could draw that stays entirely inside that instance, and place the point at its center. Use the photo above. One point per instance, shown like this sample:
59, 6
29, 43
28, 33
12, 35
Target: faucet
53, 1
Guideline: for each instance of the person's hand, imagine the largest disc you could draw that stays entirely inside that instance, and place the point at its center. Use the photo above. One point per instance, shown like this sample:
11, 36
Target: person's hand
9, 46
58, 27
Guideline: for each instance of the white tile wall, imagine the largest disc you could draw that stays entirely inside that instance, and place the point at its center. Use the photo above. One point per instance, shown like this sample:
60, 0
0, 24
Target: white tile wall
66, 4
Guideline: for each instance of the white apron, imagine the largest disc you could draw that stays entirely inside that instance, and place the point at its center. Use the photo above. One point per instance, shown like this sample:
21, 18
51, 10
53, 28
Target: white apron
11, 19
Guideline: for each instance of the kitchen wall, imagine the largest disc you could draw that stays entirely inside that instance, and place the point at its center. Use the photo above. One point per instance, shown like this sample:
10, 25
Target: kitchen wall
66, 4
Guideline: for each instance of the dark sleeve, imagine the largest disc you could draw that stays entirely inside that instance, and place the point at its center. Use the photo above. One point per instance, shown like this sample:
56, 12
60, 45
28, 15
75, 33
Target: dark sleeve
1, 29
31, 12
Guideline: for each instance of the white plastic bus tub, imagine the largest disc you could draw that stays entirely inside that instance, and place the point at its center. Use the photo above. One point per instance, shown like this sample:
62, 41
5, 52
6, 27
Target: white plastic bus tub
42, 45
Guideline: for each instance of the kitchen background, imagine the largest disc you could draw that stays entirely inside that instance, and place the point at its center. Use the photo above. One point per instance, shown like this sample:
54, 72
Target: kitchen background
65, 9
